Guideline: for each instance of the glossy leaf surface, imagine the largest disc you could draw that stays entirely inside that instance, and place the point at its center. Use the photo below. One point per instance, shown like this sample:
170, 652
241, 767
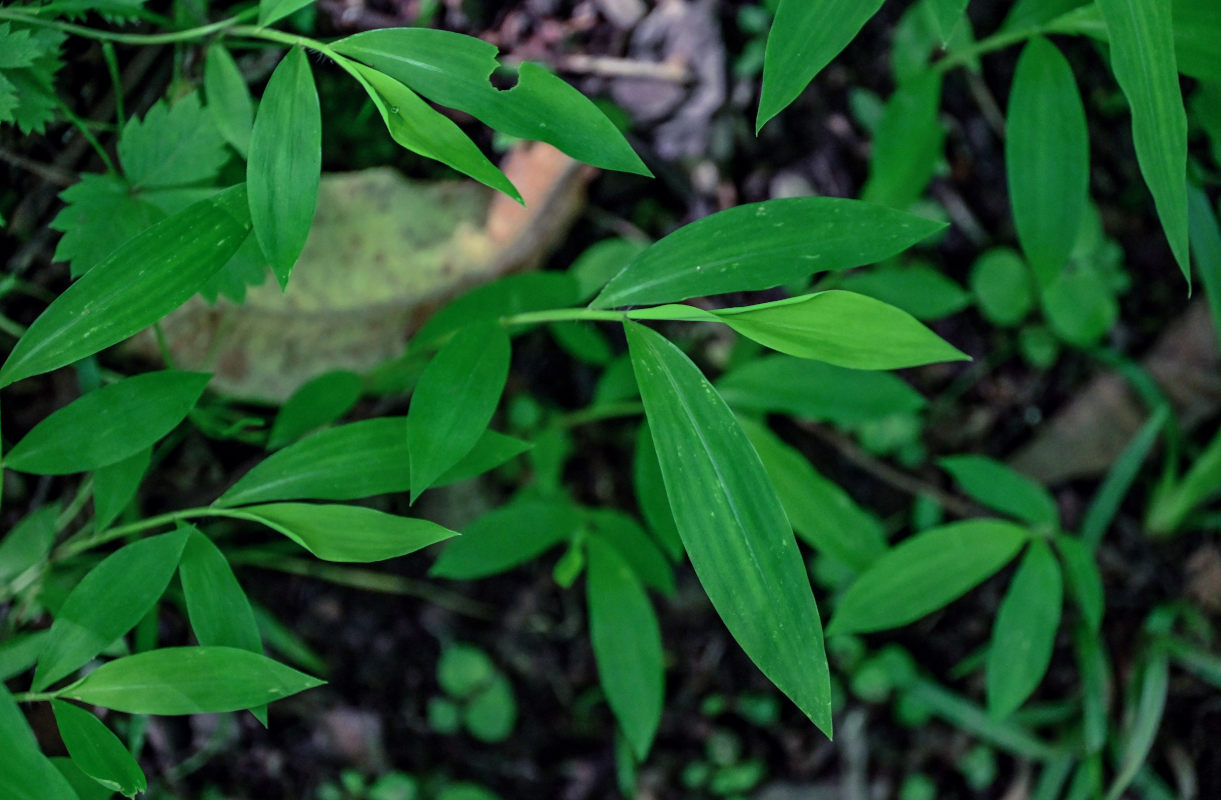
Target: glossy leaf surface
218, 609
636, 547
285, 163
25, 773
189, 680
805, 36
320, 401
627, 644
107, 603
108, 424
999, 487
115, 485
348, 533
1025, 631
732, 524
1142, 56
1046, 157
229, 100
143, 280
454, 401
926, 572
762, 245
97, 751
505, 538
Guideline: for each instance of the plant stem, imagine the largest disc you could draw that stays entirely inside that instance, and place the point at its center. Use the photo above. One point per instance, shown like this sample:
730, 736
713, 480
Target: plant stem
603, 411
83, 493
71, 548
563, 315
996, 41
34, 697
88, 134
129, 38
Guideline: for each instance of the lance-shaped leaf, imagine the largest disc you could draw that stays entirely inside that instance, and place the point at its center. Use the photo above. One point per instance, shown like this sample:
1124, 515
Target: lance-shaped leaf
907, 144
25, 773
273, 10
1025, 631
838, 327
1142, 55
507, 537
1083, 578
422, 129
229, 100
97, 751
636, 547
115, 485
319, 402
143, 280
285, 163
926, 572
189, 680
27, 543
1046, 157
454, 401
347, 533
1144, 721
453, 70
627, 644
1197, 29
732, 524
762, 245
108, 424
805, 36
219, 611
107, 603
946, 16
1001, 488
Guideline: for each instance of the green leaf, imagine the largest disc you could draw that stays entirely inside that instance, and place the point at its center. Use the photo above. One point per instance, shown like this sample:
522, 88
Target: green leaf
491, 714
97, 751
919, 289
454, 401
1203, 481
998, 487
926, 572
285, 163
651, 492
27, 93
115, 485
273, 10
145, 279
219, 611
347, 533
1084, 580
107, 603
1095, 687
1141, 733
600, 262
1206, 246
515, 294
453, 70
908, 143
108, 424
1119, 479
463, 669
1025, 631
1080, 307
1003, 286
421, 129
189, 680
1197, 29
1032, 14
172, 146
25, 773
320, 401
947, 14
1046, 157
229, 100
627, 644
100, 213
732, 524
17, 47
817, 391
19, 652
841, 328
805, 36
507, 537
28, 543
1142, 57
821, 512
762, 245
636, 547
86, 788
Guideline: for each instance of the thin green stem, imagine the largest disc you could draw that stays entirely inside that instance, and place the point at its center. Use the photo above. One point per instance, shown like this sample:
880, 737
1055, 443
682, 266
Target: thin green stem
71, 548
83, 493
170, 37
596, 413
997, 41
35, 697
88, 134
11, 328
112, 66
563, 315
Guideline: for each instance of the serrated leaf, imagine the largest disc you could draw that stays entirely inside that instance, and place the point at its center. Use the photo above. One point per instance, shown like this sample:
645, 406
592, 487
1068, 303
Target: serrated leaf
1001, 488
453, 70
1025, 631
101, 213
816, 390
346, 533
505, 538
108, 424
805, 36
17, 47
115, 485
173, 145
189, 680
454, 401
28, 93
821, 512
762, 245
732, 524
421, 129
107, 603
320, 401
229, 100
142, 281
1046, 157
285, 163
97, 751
908, 143
627, 644
1142, 56
25, 773
926, 572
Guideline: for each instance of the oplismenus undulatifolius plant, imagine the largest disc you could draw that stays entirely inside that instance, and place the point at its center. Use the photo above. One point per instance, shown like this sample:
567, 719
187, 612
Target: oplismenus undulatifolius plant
717, 488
